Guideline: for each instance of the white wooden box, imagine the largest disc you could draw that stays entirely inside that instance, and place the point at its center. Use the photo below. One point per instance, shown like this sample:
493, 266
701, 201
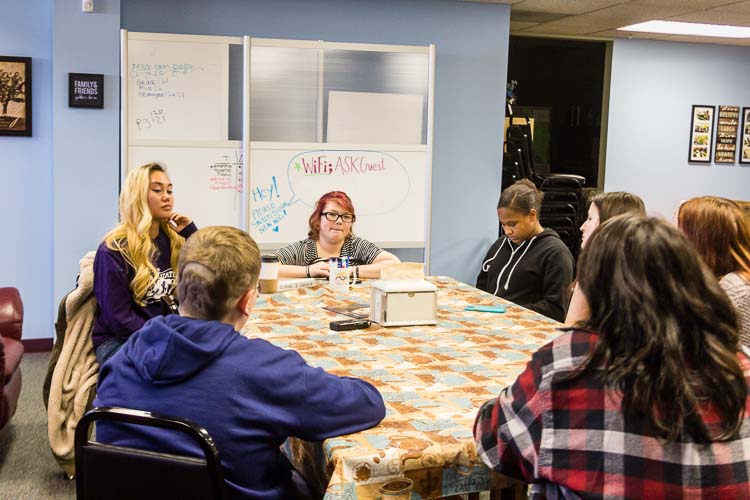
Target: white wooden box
403, 302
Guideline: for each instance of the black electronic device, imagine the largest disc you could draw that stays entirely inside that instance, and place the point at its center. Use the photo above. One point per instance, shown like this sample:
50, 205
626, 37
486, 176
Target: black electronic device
349, 324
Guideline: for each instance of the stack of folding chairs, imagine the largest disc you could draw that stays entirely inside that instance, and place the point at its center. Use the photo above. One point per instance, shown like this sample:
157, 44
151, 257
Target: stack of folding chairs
564, 205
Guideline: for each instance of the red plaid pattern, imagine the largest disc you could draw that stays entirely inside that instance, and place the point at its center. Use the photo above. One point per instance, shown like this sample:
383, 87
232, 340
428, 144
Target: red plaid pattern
570, 439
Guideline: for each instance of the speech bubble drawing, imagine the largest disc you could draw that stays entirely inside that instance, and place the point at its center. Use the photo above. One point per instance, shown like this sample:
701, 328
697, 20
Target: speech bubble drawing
359, 173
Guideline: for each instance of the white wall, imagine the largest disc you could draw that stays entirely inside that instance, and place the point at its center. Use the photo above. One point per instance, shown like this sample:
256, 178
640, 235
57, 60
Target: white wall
654, 85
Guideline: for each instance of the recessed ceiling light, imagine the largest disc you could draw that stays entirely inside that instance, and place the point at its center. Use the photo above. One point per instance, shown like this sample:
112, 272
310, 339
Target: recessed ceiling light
696, 29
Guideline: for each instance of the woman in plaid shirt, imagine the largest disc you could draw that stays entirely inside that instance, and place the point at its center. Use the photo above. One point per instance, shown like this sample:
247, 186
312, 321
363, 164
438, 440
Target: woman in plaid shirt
646, 399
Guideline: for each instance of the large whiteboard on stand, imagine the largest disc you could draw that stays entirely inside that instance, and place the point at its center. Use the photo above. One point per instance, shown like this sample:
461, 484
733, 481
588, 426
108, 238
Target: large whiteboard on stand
387, 185
177, 90
207, 181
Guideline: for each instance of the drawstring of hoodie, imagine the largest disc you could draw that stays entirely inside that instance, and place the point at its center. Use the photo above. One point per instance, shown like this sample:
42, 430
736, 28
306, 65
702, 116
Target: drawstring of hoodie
519, 260
486, 263
510, 259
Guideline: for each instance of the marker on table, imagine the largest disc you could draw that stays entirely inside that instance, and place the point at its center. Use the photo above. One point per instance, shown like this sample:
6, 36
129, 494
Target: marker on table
489, 309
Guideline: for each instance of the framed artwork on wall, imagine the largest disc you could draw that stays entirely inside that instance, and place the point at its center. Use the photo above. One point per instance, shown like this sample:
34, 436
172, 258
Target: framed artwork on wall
745, 136
85, 90
726, 134
15, 95
701, 133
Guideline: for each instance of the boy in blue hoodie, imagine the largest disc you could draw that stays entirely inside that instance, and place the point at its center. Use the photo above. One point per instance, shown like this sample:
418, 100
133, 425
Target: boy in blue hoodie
249, 394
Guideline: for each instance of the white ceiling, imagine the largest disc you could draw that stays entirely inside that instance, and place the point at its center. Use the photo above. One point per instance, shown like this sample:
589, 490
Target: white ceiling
601, 18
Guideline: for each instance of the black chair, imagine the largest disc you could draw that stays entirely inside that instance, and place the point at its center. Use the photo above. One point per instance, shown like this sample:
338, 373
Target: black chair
116, 472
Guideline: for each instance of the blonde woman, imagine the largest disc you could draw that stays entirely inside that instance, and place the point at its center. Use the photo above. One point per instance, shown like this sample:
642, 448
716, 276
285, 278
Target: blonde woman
134, 276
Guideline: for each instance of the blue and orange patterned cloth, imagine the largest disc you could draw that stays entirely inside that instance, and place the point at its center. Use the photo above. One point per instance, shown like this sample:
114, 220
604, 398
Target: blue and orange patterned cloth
433, 380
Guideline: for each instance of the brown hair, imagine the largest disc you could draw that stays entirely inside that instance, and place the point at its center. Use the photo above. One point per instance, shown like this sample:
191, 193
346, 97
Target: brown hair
217, 265
339, 197
616, 203
523, 196
717, 229
668, 338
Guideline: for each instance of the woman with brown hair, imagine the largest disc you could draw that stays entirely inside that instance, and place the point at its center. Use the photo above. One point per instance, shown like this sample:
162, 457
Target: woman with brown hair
647, 398
719, 232
603, 206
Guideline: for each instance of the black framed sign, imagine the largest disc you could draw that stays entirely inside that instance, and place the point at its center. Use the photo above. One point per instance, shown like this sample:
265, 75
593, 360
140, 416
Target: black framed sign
701, 132
85, 90
745, 135
726, 134
15, 95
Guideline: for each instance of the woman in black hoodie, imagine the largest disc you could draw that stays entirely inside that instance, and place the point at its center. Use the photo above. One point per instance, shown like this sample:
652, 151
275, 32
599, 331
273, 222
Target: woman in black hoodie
529, 265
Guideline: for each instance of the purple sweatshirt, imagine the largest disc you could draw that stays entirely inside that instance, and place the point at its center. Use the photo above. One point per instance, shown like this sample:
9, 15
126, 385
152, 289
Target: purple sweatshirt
117, 314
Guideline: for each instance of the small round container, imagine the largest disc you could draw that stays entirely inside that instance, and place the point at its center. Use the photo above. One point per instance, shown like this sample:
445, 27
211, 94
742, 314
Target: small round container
397, 489
268, 281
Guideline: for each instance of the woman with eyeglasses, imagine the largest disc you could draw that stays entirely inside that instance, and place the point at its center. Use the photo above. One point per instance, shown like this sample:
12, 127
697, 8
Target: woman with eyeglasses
331, 235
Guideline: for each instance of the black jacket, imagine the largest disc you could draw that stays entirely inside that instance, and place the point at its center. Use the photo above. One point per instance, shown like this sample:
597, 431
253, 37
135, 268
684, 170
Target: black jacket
535, 274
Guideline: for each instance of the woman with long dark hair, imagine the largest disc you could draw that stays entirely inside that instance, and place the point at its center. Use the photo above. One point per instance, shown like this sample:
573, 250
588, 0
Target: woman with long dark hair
603, 207
647, 398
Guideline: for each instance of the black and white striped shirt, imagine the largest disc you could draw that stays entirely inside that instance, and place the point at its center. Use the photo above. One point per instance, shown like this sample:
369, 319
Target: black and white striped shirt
305, 252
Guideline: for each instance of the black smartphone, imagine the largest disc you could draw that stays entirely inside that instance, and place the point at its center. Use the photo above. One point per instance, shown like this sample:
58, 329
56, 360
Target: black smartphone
349, 324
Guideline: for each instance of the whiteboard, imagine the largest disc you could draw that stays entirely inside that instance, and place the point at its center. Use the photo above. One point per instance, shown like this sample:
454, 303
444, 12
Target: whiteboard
208, 181
387, 188
372, 117
177, 90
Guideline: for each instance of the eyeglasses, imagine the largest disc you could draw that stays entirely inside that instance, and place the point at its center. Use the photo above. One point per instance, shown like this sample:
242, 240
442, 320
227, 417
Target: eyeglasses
334, 216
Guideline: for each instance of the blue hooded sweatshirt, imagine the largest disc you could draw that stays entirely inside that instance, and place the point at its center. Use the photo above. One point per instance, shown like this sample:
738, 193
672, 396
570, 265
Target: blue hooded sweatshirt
249, 394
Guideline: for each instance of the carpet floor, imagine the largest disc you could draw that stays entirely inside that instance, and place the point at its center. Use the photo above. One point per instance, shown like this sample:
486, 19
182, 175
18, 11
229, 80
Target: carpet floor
27, 468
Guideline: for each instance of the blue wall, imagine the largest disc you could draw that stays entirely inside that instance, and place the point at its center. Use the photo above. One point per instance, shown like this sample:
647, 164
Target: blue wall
86, 141
58, 189
26, 170
654, 85
471, 43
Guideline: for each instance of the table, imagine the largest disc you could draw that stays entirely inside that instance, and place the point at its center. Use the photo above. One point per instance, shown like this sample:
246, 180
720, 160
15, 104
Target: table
433, 380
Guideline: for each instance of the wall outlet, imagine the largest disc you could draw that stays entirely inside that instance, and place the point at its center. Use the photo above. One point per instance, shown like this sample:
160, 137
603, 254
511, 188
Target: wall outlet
87, 6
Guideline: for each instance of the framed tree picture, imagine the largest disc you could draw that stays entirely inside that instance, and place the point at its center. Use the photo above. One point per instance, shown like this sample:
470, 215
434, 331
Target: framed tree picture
15, 95
701, 133
745, 136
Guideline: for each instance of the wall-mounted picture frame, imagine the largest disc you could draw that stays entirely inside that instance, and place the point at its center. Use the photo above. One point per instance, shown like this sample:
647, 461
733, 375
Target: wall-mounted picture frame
701, 133
726, 134
15, 96
85, 90
745, 137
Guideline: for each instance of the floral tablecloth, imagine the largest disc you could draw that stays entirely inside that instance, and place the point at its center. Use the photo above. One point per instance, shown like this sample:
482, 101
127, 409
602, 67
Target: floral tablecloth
432, 378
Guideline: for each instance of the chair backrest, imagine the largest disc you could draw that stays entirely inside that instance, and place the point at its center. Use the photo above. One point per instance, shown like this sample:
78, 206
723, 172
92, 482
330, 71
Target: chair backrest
116, 472
11, 313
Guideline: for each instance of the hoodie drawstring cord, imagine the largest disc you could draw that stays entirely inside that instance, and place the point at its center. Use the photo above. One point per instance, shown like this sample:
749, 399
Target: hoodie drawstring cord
510, 259
486, 263
519, 260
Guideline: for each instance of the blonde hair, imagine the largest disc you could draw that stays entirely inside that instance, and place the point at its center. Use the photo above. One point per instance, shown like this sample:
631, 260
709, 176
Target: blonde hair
131, 236
216, 266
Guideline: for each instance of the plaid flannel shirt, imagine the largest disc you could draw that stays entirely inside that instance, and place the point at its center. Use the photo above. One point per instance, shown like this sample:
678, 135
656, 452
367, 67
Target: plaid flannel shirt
571, 440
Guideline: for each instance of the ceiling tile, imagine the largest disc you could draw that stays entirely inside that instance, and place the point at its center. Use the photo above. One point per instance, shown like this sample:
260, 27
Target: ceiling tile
625, 34
563, 29
520, 25
739, 8
686, 5
564, 6
714, 17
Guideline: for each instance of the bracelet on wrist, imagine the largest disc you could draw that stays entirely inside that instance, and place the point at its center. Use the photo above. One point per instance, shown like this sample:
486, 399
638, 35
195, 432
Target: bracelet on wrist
307, 271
